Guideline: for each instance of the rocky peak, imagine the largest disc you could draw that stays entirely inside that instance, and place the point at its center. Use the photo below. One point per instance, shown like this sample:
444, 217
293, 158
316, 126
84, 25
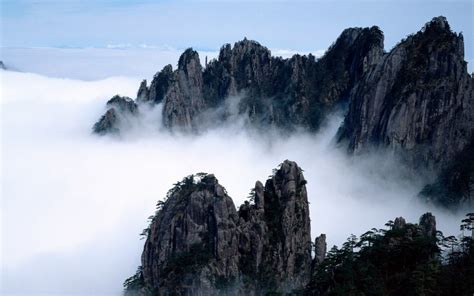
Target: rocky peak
107, 124
418, 100
287, 93
242, 48
160, 84
349, 35
120, 109
249, 64
183, 99
192, 240
198, 244
288, 254
399, 223
259, 199
250, 47
428, 225
143, 92
320, 249
123, 104
189, 62
439, 23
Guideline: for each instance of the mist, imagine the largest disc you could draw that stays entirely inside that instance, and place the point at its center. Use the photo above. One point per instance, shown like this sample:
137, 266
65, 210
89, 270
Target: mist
73, 203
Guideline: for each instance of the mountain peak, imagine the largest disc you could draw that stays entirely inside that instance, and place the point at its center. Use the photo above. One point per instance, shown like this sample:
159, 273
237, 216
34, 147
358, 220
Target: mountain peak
187, 57
197, 243
439, 22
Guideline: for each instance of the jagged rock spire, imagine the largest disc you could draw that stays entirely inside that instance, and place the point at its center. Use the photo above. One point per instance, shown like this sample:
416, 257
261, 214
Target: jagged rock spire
198, 244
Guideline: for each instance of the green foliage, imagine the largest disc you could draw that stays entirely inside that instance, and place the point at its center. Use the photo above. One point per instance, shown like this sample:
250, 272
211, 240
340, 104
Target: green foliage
135, 282
251, 195
468, 223
398, 261
182, 188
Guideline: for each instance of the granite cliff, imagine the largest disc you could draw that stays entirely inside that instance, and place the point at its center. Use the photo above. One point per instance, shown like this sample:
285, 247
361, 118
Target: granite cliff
287, 93
416, 100
419, 101
199, 244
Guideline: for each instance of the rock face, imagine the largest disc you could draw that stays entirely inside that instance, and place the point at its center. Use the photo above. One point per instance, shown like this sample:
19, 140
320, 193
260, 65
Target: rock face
118, 112
193, 240
419, 94
293, 92
320, 249
184, 100
287, 255
418, 99
198, 244
428, 225
287, 93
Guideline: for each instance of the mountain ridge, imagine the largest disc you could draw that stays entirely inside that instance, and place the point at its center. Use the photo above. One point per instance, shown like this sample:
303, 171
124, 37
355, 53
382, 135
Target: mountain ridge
416, 99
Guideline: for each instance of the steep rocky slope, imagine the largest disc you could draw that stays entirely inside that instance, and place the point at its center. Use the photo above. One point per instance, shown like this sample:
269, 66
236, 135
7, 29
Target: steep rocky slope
269, 90
199, 244
418, 100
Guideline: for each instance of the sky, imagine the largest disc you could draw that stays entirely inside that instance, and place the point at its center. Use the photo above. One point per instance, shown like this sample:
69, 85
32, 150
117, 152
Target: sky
207, 25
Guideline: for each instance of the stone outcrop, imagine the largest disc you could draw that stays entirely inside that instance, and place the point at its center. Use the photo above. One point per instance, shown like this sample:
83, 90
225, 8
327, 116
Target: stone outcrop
143, 94
428, 225
320, 249
198, 244
418, 100
183, 100
287, 93
287, 255
119, 110
399, 223
193, 240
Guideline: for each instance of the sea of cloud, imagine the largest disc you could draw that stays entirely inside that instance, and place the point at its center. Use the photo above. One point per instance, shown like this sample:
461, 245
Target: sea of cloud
73, 203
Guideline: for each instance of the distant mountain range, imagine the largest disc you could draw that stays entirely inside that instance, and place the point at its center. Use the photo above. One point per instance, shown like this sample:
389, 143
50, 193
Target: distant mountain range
417, 99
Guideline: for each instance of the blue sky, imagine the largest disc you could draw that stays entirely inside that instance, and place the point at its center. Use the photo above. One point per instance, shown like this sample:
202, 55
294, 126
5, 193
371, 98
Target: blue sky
301, 25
